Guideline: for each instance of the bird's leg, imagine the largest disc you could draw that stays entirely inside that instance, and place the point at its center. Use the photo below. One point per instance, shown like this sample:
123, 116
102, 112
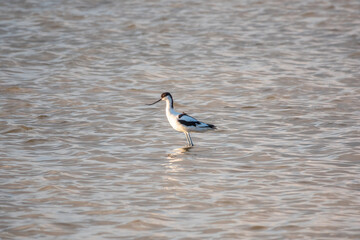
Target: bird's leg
190, 141
187, 138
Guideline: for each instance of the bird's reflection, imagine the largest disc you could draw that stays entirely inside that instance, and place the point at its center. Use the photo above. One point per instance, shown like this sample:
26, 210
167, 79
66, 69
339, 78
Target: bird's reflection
177, 152
174, 158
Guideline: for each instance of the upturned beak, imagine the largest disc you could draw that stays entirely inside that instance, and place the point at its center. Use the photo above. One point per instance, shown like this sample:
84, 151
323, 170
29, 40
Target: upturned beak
154, 102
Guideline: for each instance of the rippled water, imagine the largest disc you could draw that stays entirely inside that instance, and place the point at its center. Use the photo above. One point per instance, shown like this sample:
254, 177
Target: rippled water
82, 157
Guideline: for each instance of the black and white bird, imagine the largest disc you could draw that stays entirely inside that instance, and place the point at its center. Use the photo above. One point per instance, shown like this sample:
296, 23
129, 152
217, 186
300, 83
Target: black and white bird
181, 121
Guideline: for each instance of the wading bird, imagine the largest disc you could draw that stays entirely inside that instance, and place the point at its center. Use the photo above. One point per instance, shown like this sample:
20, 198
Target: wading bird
181, 121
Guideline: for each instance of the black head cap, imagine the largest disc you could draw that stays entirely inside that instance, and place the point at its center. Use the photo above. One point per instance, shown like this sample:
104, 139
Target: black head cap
165, 94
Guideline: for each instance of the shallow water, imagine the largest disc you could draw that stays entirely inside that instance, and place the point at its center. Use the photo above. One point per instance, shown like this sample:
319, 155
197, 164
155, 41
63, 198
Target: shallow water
82, 157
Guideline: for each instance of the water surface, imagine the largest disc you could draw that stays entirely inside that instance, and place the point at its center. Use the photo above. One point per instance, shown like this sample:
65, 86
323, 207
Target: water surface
82, 157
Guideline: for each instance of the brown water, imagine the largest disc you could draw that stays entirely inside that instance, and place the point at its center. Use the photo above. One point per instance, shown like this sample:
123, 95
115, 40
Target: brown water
82, 157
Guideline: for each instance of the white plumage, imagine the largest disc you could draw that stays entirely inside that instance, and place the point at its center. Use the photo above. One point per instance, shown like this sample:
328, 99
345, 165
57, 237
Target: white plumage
181, 121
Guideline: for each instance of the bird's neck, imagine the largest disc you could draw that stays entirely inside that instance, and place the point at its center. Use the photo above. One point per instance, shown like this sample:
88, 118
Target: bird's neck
170, 106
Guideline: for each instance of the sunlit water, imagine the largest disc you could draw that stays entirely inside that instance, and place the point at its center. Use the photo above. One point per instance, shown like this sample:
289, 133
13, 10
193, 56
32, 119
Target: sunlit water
83, 157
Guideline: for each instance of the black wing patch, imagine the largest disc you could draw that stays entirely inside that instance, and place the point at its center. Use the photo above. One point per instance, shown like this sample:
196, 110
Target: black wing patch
182, 114
211, 126
186, 123
190, 121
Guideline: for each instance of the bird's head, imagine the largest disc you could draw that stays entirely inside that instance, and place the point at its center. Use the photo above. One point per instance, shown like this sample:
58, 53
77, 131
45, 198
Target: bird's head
164, 96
